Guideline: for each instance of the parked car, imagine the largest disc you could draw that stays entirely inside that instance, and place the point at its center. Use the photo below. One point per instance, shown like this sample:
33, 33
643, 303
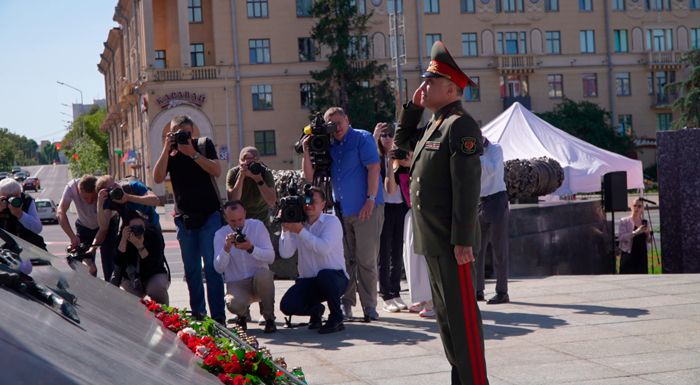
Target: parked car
20, 176
26, 173
15, 170
3, 175
31, 184
47, 210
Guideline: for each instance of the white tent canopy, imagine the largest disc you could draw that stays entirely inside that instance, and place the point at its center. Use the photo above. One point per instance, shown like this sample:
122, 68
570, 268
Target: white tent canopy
523, 135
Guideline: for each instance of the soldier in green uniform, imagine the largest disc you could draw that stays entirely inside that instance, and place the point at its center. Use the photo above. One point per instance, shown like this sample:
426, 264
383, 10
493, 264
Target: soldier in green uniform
445, 187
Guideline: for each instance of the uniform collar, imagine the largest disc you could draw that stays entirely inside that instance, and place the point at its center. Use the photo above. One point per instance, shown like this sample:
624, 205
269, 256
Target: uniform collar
441, 112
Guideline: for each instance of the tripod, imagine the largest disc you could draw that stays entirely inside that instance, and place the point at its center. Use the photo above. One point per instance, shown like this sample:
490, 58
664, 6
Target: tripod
654, 249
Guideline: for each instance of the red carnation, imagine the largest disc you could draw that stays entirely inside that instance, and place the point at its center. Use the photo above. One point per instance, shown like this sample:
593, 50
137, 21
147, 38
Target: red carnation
251, 356
212, 361
233, 368
225, 379
264, 369
248, 366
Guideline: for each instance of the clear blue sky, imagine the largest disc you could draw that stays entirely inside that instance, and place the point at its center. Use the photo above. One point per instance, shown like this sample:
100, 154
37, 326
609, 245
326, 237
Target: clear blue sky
43, 42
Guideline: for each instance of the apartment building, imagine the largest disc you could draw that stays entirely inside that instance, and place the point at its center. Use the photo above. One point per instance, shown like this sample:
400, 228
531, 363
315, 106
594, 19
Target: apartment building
240, 68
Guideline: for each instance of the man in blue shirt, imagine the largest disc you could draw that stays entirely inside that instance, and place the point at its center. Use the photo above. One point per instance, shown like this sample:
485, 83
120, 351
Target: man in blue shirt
136, 197
357, 185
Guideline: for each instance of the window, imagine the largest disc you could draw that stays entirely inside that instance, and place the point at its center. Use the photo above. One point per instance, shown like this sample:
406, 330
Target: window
618, 5
520, 6
659, 40
695, 37
194, 10
259, 51
590, 85
515, 43
657, 81
556, 86
467, 6
553, 43
587, 42
509, 5
585, 5
657, 5
431, 6
358, 47
513, 86
304, 8
197, 55
160, 59
307, 92
472, 94
499, 6
307, 50
511, 46
650, 82
429, 41
622, 81
262, 97
257, 8
265, 142
361, 7
390, 5
663, 122
694, 4
551, 5
624, 124
469, 44
620, 36
523, 42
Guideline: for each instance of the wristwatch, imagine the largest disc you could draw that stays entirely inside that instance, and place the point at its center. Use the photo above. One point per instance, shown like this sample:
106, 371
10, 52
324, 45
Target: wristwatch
141, 249
371, 197
195, 156
262, 182
250, 251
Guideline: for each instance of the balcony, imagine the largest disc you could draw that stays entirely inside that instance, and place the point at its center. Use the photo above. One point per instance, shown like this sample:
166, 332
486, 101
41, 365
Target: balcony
517, 64
667, 60
177, 74
510, 100
663, 101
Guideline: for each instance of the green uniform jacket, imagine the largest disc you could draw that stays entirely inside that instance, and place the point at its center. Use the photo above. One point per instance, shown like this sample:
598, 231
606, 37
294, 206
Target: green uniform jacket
445, 177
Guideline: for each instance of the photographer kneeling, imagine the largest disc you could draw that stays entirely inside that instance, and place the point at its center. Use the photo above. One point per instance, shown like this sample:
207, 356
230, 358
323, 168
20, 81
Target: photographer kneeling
322, 275
243, 254
18, 213
140, 257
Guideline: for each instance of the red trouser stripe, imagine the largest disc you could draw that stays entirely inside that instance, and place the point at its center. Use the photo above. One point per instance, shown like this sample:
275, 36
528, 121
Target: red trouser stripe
473, 339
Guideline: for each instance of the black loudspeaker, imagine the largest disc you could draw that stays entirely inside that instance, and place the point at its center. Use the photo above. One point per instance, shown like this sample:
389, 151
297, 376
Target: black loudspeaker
614, 186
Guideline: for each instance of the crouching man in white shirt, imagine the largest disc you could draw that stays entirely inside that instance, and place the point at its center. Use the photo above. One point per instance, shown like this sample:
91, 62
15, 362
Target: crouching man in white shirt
322, 275
245, 265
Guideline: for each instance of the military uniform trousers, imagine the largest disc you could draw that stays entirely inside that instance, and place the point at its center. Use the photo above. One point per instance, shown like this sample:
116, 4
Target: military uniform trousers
493, 219
458, 318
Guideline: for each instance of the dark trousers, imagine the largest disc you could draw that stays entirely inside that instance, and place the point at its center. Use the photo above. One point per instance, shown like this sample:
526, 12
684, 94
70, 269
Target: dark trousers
390, 261
458, 318
109, 245
307, 294
493, 219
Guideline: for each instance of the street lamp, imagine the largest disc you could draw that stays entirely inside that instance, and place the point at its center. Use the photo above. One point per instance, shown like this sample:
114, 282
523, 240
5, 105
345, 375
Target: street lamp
82, 106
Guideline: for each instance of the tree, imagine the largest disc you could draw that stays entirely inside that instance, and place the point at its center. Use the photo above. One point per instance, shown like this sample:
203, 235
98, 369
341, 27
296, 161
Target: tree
688, 104
92, 129
48, 153
89, 158
351, 80
589, 122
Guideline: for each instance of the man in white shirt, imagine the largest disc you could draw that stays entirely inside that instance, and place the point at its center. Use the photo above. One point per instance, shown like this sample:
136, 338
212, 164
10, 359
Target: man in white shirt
322, 274
245, 265
493, 219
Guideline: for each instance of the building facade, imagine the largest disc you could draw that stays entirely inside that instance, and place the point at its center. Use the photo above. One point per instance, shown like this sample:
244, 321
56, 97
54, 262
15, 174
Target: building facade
241, 73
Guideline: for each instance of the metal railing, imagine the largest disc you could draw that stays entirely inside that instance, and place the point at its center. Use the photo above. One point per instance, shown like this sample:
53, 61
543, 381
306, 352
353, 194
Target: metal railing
665, 60
515, 64
177, 74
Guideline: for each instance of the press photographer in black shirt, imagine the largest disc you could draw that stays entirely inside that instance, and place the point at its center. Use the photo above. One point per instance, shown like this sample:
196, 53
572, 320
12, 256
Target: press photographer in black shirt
140, 257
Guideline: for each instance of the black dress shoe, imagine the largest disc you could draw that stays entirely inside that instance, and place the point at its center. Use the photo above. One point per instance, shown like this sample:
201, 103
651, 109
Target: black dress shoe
498, 298
270, 326
480, 296
316, 321
331, 327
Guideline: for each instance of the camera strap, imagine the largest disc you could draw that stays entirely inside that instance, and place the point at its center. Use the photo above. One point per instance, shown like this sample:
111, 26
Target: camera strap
202, 147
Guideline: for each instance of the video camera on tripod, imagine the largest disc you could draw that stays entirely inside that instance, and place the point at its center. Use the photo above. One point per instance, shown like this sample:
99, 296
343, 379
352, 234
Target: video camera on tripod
320, 139
292, 206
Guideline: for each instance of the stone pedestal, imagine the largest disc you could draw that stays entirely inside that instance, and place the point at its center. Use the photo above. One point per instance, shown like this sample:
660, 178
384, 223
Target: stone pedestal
679, 185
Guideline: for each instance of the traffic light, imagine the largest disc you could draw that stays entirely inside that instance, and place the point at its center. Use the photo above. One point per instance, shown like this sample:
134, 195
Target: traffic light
58, 146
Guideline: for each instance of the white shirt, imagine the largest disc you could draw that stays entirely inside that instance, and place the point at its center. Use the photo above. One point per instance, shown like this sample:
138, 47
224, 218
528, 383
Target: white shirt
238, 264
87, 213
320, 246
492, 170
30, 220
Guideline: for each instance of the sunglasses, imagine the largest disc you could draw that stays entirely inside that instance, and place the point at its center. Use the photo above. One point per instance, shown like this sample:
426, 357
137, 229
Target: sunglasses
638, 206
389, 135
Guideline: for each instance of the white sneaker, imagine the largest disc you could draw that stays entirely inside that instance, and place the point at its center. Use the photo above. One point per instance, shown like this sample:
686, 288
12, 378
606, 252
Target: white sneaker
399, 302
390, 306
428, 311
417, 307
262, 321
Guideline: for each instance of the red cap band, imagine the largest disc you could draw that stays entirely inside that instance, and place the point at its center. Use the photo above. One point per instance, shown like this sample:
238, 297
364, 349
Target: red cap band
447, 72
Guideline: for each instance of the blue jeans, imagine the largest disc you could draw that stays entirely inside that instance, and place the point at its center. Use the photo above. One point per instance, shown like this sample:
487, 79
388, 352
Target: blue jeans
196, 244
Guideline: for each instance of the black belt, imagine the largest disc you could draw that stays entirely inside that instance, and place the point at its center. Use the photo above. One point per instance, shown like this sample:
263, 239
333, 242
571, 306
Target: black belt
491, 197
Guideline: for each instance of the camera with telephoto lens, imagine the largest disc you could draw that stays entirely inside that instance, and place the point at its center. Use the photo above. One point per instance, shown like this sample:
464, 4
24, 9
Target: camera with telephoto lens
292, 206
115, 193
400, 154
240, 237
182, 136
255, 168
79, 252
320, 139
138, 230
12, 201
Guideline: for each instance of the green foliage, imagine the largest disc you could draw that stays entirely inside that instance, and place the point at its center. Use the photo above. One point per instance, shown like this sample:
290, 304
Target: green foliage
340, 28
16, 149
48, 154
92, 130
588, 122
90, 159
688, 104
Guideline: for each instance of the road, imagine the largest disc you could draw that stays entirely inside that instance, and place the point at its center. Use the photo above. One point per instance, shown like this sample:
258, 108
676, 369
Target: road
53, 181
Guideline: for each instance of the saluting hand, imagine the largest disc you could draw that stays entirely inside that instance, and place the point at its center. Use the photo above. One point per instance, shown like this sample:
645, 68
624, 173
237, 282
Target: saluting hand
464, 254
416, 98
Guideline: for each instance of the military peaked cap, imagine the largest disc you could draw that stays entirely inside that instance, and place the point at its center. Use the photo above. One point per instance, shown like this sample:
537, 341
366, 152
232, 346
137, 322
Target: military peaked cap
442, 65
